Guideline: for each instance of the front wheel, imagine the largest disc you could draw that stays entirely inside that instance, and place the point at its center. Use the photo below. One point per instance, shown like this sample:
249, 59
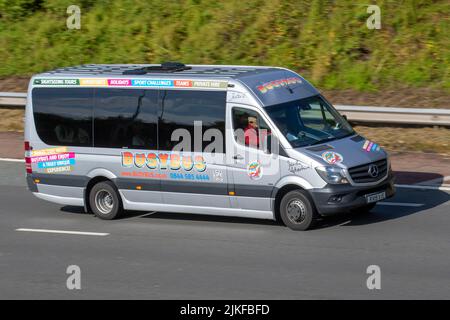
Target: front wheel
105, 201
297, 211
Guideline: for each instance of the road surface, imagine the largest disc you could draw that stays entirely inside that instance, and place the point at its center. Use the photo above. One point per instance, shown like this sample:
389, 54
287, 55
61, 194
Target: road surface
175, 256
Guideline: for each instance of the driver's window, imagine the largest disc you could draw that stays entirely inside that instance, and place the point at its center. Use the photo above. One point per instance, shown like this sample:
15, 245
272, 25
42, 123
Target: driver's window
250, 129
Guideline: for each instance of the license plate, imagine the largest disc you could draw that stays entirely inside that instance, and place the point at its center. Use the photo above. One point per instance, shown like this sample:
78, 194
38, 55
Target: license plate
374, 197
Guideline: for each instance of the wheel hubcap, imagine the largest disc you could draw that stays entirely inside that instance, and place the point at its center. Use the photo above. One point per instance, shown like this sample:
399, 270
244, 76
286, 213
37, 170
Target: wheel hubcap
104, 201
296, 211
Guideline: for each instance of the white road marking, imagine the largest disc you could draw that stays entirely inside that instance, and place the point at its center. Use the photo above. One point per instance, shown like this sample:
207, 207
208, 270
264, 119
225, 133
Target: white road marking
12, 160
64, 232
402, 204
415, 186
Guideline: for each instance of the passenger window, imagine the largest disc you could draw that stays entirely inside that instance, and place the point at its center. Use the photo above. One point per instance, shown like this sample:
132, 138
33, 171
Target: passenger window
63, 117
179, 110
125, 118
250, 129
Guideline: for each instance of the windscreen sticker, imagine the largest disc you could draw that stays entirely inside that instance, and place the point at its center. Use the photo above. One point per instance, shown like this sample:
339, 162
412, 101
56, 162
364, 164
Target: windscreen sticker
369, 146
332, 157
278, 84
254, 170
53, 160
149, 83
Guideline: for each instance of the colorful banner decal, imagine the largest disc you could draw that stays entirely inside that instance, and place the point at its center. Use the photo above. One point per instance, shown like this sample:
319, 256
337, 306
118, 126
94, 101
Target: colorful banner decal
188, 176
254, 170
150, 83
209, 84
59, 163
57, 82
93, 82
58, 169
332, 157
119, 82
144, 174
49, 151
278, 84
53, 160
163, 161
369, 146
53, 157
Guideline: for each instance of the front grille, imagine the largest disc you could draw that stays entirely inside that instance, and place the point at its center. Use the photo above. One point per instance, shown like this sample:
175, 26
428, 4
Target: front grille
360, 174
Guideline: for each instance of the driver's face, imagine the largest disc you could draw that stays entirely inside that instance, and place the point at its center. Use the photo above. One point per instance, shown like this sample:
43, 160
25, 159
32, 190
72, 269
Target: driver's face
252, 122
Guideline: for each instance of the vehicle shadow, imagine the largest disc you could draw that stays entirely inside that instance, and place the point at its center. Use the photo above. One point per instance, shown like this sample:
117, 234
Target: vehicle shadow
177, 216
425, 197
382, 212
410, 177
209, 218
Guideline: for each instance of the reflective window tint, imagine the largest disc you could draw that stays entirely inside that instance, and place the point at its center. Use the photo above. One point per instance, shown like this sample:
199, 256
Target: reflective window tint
63, 117
179, 110
125, 118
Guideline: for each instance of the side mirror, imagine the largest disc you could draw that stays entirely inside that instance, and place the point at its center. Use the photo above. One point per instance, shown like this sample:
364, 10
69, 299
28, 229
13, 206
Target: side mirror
345, 117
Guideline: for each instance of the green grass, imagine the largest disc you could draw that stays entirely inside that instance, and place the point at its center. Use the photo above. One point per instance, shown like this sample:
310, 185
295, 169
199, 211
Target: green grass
326, 41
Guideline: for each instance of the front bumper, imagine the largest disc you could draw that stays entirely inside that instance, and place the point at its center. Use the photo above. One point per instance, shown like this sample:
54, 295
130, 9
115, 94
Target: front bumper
351, 197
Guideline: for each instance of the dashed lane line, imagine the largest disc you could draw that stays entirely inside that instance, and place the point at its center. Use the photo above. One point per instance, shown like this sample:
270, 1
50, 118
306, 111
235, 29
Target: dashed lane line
82, 233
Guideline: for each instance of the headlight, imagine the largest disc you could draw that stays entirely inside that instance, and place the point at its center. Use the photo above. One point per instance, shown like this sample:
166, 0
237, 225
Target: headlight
332, 175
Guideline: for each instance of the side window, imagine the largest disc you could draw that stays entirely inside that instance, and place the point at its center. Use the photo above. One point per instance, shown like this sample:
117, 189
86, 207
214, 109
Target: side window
125, 118
250, 129
179, 110
63, 116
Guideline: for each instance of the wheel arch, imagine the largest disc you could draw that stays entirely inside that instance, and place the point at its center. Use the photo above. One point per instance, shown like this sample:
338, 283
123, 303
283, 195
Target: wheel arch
92, 182
284, 186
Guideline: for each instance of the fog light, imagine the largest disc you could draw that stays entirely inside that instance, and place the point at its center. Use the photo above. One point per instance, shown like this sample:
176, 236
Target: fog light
335, 199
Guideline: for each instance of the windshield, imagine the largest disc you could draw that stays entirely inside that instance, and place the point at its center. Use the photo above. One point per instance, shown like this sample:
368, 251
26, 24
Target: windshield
309, 121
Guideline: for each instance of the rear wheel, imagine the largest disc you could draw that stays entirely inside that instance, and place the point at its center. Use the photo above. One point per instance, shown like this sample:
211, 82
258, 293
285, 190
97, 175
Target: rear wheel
297, 210
105, 201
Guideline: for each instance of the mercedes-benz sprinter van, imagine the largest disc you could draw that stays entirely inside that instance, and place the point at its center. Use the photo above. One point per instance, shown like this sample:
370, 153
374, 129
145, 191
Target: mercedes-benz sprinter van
245, 141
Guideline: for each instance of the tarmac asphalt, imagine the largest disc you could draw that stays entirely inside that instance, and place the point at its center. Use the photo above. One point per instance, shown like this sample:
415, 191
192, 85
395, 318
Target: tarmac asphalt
176, 256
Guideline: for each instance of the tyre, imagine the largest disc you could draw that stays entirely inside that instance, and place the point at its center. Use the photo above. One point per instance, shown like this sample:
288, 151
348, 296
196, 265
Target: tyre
105, 201
297, 210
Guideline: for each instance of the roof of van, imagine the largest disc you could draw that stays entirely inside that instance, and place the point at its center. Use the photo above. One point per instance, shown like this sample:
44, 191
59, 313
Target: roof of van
197, 71
272, 85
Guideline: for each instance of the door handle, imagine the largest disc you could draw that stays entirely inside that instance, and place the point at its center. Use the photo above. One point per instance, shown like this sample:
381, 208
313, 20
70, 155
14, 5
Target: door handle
238, 157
